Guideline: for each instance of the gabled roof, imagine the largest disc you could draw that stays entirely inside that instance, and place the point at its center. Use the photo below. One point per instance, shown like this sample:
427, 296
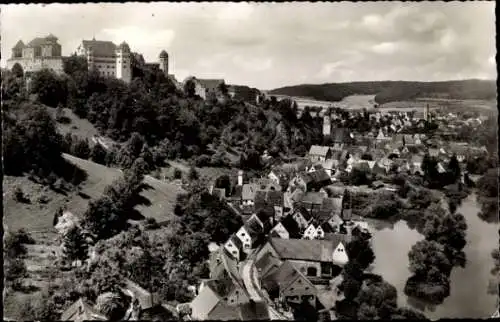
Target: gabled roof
417, 159
221, 287
254, 311
82, 311
267, 263
291, 226
307, 250
145, 297
317, 176
211, 84
100, 47
283, 277
249, 190
204, 303
319, 150
19, 45
314, 198
236, 241
341, 135
304, 212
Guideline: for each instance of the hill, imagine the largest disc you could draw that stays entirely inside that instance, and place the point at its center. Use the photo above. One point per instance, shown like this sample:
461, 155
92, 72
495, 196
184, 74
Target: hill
390, 91
35, 217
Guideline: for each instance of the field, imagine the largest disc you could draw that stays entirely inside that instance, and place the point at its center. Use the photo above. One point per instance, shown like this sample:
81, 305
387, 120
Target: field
79, 127
37, 218
353, 102
484, 107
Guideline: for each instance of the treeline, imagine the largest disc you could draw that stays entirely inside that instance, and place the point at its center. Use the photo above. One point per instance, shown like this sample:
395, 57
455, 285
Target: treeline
32, 145
390, 91
183, 124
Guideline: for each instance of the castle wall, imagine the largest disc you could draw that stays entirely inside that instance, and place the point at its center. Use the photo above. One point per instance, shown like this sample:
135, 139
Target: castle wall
36, 64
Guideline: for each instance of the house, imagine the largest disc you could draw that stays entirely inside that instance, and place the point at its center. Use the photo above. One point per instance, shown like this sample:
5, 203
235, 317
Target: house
333, 205
314, 180
302, 216
279, 177
287, 228
249, 234
248, 194
219, 193
206, 88
440, 168
314, 258
319, 153
82, 311
234, 246
337, 146
227, 290
208, 304
409, 140
288, 285
398, 140
222, 264
342, 135
310, 232
272, 199
377, 184
313, 200
416, 162
434, 153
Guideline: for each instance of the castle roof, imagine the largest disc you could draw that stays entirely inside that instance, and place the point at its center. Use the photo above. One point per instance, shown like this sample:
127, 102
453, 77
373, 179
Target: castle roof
163, 54
19, 45
100, 47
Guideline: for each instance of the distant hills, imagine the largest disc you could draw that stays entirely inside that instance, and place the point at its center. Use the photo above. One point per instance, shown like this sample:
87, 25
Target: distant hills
390, 91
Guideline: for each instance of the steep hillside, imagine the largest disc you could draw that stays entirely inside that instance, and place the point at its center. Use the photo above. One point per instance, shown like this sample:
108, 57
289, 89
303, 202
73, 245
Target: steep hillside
389, 91
159, 198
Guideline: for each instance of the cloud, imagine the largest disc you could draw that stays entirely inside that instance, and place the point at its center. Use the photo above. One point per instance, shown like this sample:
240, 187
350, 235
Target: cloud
385, 48
235, 12
253, 64
270, 45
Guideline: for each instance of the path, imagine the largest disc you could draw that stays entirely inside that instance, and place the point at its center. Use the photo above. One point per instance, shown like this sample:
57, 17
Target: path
250, 279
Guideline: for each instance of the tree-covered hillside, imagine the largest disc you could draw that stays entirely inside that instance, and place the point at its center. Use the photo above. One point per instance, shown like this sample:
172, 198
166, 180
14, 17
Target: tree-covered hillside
390, 91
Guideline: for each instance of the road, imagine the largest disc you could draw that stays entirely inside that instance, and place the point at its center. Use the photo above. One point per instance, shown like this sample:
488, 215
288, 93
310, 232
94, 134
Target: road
250, 279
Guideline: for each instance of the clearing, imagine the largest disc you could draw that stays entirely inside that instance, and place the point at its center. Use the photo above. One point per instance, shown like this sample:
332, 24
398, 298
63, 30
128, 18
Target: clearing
37, 218
79, 127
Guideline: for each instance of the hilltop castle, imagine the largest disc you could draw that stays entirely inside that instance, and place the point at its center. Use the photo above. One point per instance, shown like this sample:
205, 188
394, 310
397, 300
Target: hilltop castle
38, 54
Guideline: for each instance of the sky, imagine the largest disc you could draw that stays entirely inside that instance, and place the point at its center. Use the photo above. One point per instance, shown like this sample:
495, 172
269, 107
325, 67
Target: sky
270, 45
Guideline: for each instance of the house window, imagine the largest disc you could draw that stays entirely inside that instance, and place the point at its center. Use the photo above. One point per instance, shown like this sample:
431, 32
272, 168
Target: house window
307, 288
234, 252
291, 289
312, 271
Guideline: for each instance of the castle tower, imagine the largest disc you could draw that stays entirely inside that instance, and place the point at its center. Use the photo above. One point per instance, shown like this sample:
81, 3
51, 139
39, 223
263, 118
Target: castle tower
123, 64
164, 62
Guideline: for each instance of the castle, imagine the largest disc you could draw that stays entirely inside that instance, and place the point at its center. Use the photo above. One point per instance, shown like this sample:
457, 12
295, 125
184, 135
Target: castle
38, 54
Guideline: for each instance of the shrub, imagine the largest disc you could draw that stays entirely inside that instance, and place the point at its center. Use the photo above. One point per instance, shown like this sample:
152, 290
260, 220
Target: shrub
177, 173
151, 224
19, 195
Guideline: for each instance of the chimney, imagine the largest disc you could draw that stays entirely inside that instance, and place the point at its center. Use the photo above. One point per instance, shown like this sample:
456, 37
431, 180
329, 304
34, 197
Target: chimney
240, 178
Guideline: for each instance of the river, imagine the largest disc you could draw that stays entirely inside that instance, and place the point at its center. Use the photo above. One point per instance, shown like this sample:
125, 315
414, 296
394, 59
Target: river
468, 295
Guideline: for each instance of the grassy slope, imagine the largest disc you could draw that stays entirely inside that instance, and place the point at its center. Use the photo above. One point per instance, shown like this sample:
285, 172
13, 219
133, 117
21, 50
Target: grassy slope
36, 217
79, 127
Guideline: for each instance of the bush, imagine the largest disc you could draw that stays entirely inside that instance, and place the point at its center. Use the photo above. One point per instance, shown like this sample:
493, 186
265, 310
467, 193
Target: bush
19, 195
177, 173
202, 161
151, 224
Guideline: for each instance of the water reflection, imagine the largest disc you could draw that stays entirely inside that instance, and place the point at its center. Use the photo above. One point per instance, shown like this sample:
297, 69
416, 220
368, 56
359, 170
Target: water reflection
469, 297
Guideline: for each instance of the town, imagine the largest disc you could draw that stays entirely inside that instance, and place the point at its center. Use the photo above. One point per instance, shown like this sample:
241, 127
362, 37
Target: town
130, 195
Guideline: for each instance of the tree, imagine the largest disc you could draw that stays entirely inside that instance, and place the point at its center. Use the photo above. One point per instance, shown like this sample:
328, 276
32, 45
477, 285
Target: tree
454, 168
177, 173
360, 251
193, 174
111, 305
98, 154
17, 70
74, 245
190, 88
15, 271
223, 182
426, 256
51, 88
81, 148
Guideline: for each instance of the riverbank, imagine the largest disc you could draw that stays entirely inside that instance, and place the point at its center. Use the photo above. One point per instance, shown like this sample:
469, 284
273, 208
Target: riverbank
468, 297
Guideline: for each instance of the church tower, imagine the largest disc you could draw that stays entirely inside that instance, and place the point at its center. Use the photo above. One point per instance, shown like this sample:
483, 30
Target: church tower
123, 63
164, 62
